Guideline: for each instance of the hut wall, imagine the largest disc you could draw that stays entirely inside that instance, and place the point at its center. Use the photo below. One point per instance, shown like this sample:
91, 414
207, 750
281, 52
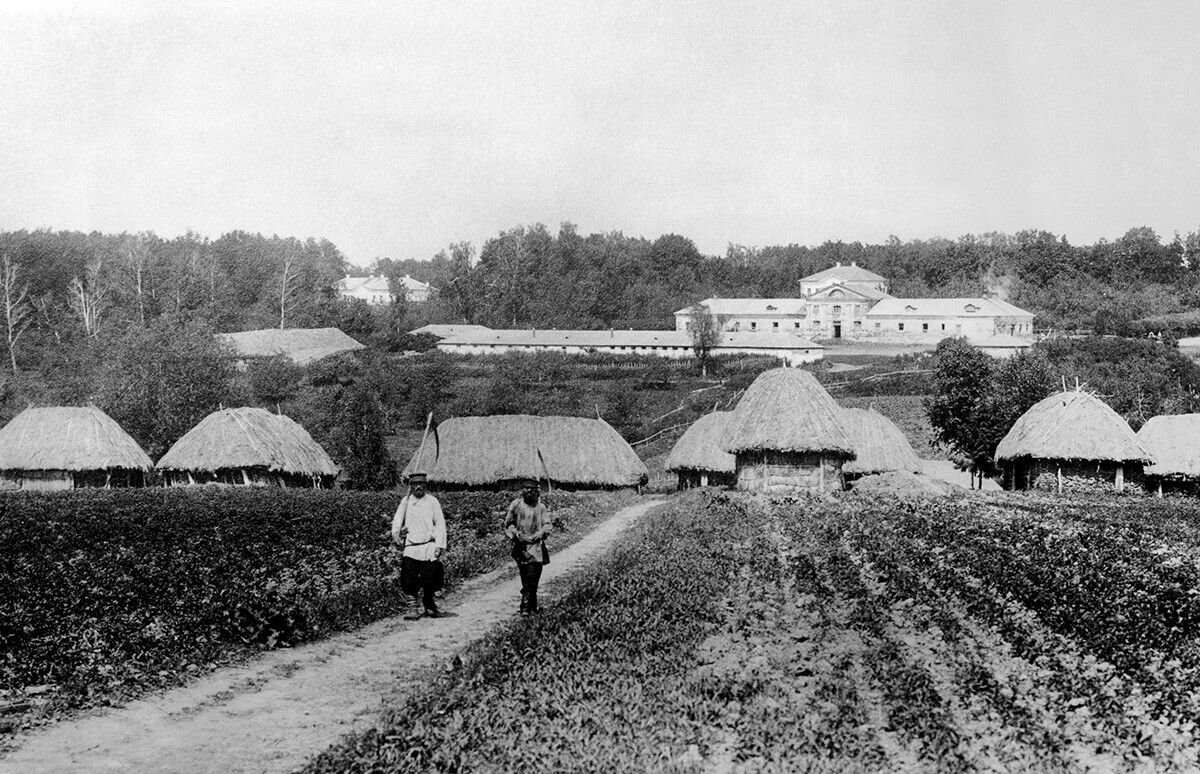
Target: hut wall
690, 479
37, 480
772, 471
252, 477
1078, 476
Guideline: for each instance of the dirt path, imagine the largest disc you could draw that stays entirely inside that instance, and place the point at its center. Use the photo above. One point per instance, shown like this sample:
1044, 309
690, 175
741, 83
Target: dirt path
274, 714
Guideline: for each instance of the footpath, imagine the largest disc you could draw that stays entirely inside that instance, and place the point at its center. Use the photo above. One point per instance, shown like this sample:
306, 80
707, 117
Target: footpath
275, 713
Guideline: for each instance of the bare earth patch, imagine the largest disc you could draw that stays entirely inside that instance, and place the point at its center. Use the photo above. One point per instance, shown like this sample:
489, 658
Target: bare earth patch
273, 714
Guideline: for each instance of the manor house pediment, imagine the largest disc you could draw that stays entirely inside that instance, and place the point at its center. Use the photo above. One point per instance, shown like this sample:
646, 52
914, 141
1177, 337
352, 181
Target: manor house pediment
842, 294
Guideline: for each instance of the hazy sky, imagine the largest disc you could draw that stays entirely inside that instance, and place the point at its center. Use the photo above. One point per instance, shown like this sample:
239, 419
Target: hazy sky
394, 129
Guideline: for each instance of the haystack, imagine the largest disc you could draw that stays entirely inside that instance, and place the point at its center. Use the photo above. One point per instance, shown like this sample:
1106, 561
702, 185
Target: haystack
65, 447
301, 345
248, 446
1071, 441
498, 451
787, 433
697, 457
881, 446
1174, 440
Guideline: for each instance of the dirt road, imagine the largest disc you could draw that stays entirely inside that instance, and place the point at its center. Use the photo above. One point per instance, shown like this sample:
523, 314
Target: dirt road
272, 715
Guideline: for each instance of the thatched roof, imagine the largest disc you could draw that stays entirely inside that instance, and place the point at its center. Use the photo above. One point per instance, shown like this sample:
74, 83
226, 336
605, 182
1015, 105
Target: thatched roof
247, 438
786, 409
880, 445
1072, 425
1175, 442
573, 451
68, 438
302, 345
699, 448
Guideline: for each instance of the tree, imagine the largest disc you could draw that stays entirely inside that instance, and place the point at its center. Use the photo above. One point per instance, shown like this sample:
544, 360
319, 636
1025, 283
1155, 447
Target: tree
356, 439
288, 275
135, 250
87, 296
961, 380
705, 328
463, 290
274, 380
17, 308
158, 382
977, 400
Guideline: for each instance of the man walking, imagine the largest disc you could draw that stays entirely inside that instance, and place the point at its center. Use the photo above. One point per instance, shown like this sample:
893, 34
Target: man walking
527, 524
420, 528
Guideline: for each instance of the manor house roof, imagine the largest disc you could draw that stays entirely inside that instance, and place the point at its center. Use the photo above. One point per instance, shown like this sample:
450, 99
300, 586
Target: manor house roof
851, 273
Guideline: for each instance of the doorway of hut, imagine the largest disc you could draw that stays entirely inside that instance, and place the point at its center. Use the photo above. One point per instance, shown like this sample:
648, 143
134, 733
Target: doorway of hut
837, 330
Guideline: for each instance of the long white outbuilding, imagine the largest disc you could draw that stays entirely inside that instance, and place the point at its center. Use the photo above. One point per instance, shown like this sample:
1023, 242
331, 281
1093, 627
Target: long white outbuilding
788, 347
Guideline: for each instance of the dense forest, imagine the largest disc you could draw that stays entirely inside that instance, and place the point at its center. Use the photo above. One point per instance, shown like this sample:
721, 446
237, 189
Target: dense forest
125, 321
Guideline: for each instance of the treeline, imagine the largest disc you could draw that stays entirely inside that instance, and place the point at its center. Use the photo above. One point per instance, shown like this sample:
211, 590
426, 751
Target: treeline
529, 276
58, 288
976, 399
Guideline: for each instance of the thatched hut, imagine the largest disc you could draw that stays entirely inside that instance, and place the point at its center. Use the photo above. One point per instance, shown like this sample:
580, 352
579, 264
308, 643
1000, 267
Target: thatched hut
1071, 441
496, 452
697, 457
65, 447
787, 433
880, 445
1174, 440
249, 447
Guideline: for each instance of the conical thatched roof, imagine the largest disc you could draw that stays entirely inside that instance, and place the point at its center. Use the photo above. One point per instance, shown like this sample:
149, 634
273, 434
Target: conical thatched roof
478, 451
786, 409
1175, 442
248, 438
68, 438
699, 448
881, 446
1073, 425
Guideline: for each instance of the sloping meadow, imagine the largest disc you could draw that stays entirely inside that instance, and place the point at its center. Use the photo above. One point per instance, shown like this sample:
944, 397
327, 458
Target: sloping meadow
975, 634
107, 594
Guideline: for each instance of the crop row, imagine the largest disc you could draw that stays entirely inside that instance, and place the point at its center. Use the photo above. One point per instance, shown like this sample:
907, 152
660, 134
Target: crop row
861, 634
106, 594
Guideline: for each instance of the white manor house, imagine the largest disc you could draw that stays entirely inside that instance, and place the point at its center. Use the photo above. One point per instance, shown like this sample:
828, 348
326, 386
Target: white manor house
849, 302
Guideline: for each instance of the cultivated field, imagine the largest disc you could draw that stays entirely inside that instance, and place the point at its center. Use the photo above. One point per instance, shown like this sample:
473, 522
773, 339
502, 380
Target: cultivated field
734, 633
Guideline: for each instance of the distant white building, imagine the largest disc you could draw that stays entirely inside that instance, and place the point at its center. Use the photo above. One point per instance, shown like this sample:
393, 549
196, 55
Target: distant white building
375, 290
849, 302
788, 347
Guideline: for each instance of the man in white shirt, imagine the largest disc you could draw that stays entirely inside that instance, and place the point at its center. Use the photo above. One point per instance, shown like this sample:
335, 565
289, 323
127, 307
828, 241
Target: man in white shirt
420, 529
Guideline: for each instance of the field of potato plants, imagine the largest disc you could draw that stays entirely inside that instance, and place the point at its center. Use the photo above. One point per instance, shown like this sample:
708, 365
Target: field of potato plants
981, 633
105, 595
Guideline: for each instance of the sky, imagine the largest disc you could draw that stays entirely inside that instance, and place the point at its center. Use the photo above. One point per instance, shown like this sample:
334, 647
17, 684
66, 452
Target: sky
395, 129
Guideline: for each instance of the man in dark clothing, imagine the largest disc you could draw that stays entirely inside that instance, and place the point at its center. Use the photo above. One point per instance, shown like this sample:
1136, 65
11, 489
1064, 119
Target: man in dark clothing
527, 524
